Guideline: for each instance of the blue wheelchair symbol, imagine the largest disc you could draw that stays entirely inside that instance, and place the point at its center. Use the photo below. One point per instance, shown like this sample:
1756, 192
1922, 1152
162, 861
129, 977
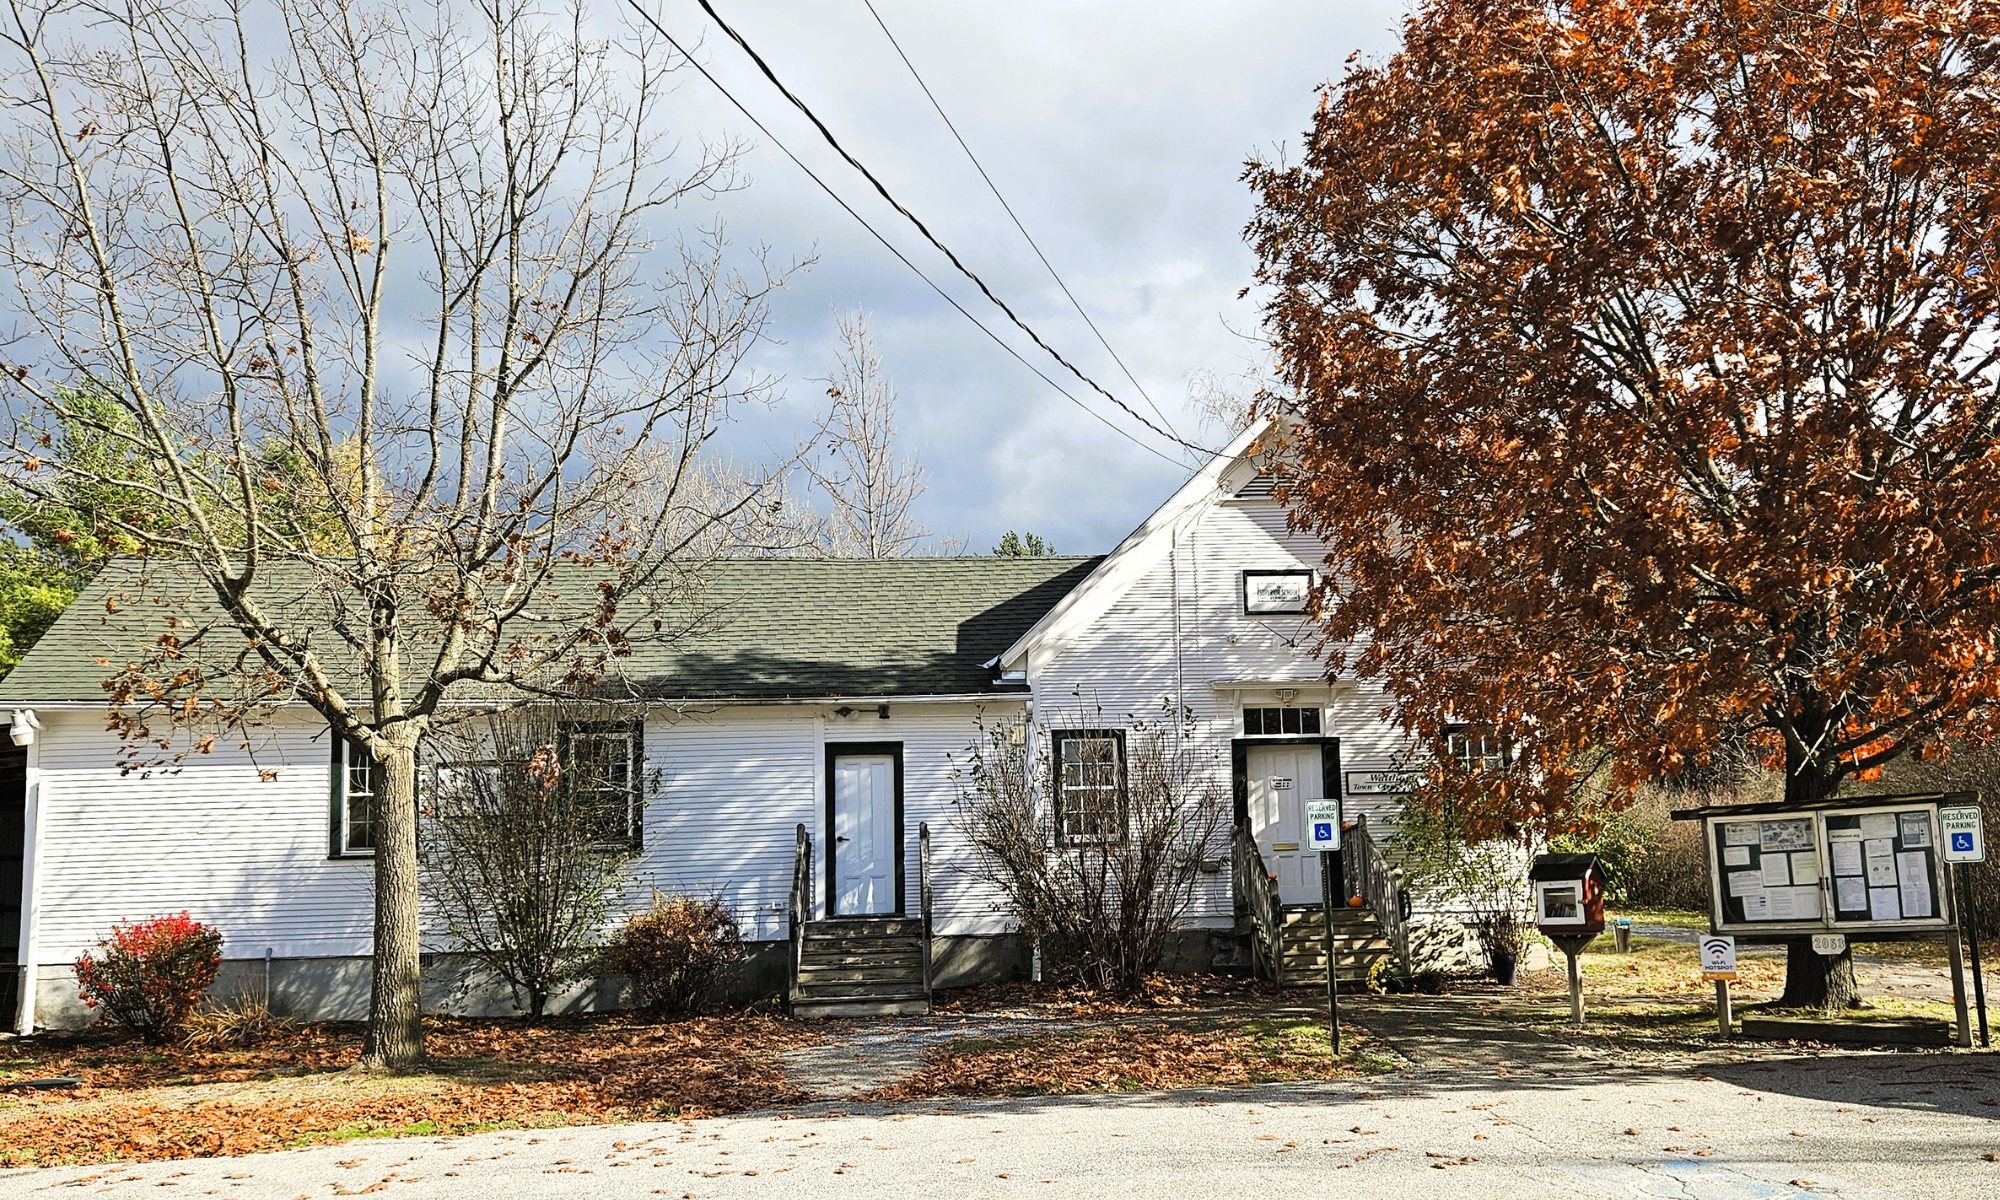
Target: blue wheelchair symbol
1322, 831
1961, 843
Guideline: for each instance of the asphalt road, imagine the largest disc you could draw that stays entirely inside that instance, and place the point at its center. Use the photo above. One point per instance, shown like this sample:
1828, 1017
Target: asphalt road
1853, 1126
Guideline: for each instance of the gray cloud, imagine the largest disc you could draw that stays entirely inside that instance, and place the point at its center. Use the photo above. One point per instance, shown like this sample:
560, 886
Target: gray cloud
1117, 130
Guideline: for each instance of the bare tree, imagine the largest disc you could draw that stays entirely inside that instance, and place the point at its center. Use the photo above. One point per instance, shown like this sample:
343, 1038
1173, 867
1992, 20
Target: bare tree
530, 821
409, 252
870, 483
1102, 868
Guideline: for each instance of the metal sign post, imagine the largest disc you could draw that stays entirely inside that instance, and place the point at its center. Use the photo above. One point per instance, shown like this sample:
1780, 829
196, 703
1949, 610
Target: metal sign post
1323, 835
1964, 887
1964, 831
1326, 860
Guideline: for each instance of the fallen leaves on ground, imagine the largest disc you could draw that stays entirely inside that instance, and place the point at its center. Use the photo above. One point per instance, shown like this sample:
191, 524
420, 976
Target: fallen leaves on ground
150, 1103
1140, 1057
1155, 994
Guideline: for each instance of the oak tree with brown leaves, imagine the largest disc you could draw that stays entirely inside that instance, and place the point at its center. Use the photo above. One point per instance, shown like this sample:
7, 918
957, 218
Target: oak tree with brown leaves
1644, 361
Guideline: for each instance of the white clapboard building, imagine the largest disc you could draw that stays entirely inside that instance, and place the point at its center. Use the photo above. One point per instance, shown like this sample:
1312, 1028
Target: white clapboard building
837, 696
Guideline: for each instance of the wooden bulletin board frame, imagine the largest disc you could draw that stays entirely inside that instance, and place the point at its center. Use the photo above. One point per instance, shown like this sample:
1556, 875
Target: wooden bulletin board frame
1759, 857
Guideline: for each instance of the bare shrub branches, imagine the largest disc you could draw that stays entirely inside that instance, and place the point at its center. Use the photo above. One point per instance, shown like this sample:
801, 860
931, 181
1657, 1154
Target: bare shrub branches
530, 820
1099, 880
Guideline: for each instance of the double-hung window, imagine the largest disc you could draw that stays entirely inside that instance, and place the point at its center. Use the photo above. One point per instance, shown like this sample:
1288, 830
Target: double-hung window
601, 768
1089, 785
356, 775
1477, 750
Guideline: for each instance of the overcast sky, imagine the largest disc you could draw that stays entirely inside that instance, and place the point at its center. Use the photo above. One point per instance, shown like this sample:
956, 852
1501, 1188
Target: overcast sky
1117, 130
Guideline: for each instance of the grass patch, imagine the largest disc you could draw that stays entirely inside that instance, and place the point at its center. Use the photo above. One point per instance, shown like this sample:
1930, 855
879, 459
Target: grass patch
1679, 918
1654, 997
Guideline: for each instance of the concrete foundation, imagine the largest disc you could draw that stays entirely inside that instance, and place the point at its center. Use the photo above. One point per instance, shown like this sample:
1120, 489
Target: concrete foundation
336, 989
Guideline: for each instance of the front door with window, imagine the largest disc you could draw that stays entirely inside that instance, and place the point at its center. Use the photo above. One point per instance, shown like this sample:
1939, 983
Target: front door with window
1281, 780
865, 842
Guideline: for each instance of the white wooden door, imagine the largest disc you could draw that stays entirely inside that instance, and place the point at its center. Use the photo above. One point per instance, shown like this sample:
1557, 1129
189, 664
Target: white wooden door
1282, 779
864, 835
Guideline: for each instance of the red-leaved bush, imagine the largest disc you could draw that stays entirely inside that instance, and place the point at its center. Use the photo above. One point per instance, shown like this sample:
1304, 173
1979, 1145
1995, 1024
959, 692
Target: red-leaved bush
149, 975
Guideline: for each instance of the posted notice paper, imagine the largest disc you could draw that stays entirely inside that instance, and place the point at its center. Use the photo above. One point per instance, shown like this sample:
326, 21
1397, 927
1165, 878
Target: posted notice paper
1882, 905
1846, 857
1779, 904
1850, 893
1777, 870
1746, 883
1795, 903
1786, 835
1878, 825
1915, 828
1739, 856
1805, 866
1757, 907
1881, 863
1740, 833
1916, 883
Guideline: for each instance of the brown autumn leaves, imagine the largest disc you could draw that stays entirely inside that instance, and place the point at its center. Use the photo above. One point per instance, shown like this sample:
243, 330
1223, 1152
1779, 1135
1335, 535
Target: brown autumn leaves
1644, 371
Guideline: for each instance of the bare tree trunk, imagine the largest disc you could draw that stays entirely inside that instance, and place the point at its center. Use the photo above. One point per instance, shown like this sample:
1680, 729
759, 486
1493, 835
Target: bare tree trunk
395, 1012
1812, 979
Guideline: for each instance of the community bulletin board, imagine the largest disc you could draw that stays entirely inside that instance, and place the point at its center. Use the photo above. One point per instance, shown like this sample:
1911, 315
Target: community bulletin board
1851, 870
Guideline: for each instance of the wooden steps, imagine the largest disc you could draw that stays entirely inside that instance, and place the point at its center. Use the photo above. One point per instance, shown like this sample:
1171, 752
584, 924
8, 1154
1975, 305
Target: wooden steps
1358, 938
861, 967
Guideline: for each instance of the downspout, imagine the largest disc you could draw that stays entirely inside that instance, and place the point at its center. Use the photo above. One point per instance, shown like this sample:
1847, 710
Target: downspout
25, 725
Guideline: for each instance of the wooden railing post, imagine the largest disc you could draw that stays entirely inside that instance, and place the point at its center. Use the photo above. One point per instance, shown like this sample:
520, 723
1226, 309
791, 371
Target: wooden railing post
924, 898
798, 908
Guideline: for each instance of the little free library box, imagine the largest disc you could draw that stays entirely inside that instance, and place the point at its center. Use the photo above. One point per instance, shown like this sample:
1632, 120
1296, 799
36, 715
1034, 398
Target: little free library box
1870, 867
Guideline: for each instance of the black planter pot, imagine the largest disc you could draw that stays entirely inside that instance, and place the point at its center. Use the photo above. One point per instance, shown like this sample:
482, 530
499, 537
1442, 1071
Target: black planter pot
1504, 968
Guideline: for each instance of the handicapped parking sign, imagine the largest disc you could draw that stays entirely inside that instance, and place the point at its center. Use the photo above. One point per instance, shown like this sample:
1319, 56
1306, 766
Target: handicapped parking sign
1322, 825
1964, 834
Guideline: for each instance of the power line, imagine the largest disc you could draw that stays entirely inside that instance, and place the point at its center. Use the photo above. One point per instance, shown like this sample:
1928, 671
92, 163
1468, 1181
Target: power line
886, 244
930, 237
995, 189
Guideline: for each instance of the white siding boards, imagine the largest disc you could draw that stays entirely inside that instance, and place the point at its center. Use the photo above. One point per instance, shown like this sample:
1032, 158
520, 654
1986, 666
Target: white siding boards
917, 654
1161, 625
736, 782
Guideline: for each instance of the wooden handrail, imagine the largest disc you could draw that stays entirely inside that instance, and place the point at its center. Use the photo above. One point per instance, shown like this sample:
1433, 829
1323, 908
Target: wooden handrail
1256, 887
798, 909
1369, 876
924, 897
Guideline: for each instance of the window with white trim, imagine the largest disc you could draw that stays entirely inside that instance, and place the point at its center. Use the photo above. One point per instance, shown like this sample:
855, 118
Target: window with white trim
601, 768
1477, 750
356, 776
1089, 785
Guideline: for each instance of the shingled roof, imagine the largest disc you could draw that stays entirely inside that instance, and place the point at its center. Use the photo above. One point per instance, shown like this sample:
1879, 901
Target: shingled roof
773, 629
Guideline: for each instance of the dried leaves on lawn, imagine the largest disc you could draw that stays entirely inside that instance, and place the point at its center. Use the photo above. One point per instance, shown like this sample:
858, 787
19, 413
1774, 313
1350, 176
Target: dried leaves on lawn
1159, 993
1139, 1057
140, 1103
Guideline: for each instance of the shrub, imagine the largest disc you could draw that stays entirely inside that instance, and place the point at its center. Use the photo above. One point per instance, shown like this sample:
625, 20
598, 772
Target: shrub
1102, 885
522, 857
676, 951
149, 976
